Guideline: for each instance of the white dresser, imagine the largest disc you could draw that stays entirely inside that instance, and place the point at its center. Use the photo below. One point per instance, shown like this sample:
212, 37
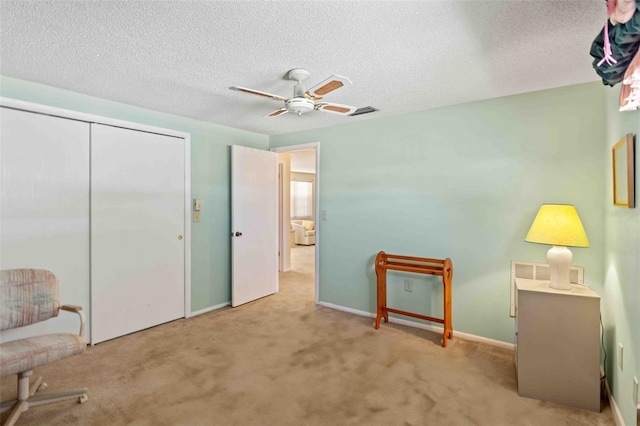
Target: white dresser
558, 344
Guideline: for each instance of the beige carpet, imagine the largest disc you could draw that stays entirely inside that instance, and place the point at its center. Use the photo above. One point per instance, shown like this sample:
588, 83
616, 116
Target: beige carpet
282, 360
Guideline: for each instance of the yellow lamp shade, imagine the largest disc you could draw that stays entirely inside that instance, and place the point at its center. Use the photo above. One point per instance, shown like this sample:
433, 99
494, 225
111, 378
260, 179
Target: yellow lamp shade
558, 225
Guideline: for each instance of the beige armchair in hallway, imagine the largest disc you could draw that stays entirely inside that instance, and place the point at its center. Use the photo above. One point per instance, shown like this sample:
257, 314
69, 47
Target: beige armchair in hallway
305, 232
28, 296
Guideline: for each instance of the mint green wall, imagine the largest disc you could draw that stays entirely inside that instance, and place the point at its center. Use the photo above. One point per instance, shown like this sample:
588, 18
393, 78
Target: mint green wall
462, 182
210, 245
621, 307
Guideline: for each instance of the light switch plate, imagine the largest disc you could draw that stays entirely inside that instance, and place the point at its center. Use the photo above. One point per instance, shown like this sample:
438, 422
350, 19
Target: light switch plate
620, 356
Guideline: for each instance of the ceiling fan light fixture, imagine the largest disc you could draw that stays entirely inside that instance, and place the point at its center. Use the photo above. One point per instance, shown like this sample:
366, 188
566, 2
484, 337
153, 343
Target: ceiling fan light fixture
299, 105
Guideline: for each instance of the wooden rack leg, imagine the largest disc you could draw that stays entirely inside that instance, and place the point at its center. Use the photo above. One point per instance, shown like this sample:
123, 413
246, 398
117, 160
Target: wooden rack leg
381, 275
447, 278
448, 329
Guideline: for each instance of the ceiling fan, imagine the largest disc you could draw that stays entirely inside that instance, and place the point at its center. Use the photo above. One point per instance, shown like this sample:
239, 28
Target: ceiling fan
303, 101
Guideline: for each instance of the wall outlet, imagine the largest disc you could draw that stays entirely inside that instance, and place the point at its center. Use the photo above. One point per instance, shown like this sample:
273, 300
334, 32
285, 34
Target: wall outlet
620, 357
408, 285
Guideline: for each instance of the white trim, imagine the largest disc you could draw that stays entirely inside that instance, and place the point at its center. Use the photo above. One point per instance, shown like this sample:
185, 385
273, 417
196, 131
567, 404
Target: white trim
297, 147
187, 225
617, 415
439, 330
210, 309
316, 146
318, 222
346, 309
283, 239
615, 410
90, 118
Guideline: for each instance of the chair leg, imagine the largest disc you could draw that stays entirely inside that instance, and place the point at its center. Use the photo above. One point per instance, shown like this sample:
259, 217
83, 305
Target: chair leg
20, 405
27, 398
15, 413
36, 386
23, 385
47, 398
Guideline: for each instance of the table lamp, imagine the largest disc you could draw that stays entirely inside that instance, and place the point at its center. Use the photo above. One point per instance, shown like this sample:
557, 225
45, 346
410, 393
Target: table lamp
560, 226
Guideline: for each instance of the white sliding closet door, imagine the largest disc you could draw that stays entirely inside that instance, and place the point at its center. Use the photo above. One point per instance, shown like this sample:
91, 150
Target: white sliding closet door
137, 229
44, 207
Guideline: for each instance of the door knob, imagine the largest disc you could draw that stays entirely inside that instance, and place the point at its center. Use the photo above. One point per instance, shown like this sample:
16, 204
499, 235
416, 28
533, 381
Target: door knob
238, 234
179, 237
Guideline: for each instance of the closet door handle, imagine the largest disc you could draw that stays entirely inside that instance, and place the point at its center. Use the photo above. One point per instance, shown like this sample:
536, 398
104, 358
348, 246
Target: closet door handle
238, 234
179, 237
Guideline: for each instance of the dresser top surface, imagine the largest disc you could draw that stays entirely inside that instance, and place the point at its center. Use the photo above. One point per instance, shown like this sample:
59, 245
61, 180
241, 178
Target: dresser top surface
524, 284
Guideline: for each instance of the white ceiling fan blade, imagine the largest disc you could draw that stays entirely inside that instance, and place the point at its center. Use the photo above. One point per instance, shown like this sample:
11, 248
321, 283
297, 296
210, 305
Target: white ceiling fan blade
259, 93
277, 112
327, 86
336, 108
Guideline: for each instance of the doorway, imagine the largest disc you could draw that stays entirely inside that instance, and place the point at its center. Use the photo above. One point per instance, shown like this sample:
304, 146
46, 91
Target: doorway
299, 214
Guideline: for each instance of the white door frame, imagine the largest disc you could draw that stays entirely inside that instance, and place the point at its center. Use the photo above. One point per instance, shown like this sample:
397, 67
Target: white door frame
282, 265
299, 147
90, 118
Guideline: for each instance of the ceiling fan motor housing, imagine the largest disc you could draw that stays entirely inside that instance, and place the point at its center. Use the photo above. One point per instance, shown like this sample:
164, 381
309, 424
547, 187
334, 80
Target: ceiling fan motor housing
299, 105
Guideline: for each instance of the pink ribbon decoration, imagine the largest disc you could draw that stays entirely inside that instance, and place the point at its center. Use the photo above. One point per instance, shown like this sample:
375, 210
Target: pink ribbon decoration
608, 54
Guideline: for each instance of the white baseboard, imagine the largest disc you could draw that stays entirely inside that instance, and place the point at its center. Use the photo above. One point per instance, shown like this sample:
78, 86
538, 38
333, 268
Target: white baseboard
429, 327
209, 309
615, 411
617, 415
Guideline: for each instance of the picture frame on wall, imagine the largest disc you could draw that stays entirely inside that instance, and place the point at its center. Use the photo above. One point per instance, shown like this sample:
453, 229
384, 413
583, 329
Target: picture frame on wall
623, 154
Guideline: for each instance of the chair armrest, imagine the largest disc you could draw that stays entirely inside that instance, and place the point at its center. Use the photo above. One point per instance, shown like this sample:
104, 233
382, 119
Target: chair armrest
71, 308
78, 310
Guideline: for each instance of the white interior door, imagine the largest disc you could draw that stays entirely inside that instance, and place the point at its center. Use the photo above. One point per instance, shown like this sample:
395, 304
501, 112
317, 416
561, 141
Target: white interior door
254, 224
137, 230
44, 207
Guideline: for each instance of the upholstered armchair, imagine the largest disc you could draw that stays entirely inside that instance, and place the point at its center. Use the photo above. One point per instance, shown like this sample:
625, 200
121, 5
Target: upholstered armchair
304, 232
28, 296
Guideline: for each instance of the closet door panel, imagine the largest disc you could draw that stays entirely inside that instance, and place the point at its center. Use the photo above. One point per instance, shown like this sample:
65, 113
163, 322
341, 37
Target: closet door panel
44, 211
137, 229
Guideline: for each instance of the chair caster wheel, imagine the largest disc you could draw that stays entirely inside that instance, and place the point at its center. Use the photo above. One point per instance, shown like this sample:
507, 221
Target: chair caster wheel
82, 399
43, 386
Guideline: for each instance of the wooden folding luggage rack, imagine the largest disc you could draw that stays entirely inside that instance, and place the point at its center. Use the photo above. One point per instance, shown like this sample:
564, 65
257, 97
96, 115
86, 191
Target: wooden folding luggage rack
418, 265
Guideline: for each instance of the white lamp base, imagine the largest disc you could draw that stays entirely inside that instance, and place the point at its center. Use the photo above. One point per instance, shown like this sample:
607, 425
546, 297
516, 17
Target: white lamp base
559, 259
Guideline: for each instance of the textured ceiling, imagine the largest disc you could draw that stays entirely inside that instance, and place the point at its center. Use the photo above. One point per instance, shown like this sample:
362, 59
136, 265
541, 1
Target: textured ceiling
180, 57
